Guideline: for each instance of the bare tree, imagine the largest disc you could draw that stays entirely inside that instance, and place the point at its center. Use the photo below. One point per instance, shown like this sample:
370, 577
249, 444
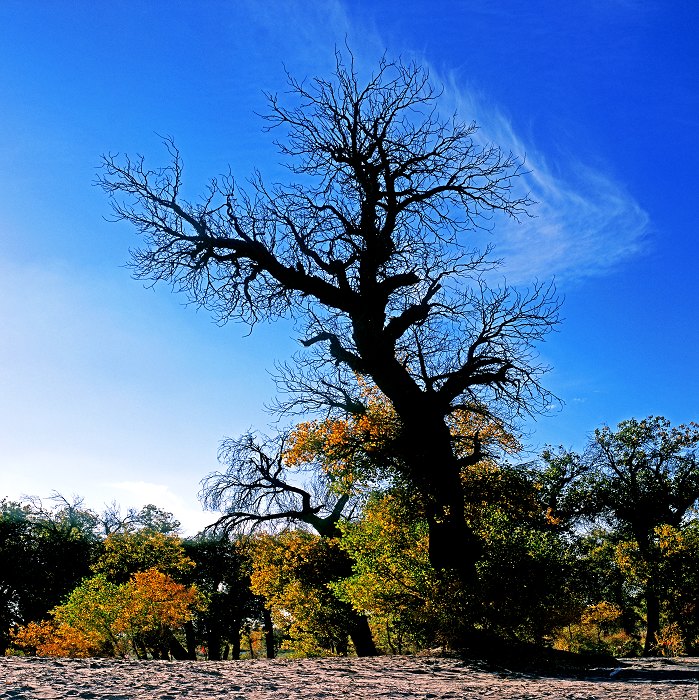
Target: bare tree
368, 250
257, 488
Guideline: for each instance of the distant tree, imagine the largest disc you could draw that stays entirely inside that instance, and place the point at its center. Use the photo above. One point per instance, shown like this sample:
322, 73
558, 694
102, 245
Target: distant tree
222, 573
369, 250
150, 518
44, 554
637, 479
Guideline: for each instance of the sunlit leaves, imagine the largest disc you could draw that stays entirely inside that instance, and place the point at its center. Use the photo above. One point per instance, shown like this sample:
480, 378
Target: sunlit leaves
125, 553
101, 617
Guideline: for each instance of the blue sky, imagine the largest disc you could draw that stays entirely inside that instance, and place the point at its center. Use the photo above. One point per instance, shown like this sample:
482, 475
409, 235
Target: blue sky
116, 392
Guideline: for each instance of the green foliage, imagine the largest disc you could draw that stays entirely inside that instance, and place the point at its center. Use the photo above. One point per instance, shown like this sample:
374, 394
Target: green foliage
599, 630
126, 553
525, 579
43, 555
410, 606
222, 572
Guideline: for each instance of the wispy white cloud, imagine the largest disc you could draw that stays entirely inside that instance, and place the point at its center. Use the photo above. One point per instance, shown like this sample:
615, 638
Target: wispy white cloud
584, 222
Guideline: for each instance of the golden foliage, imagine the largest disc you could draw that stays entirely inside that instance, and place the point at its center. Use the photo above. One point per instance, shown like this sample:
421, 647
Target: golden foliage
292, 572
126, 553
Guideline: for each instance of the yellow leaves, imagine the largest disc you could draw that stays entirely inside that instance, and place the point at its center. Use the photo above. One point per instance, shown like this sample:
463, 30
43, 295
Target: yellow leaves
465, 425
125, 553
292, 571
669, 641
550, 518
600, 613
348, 450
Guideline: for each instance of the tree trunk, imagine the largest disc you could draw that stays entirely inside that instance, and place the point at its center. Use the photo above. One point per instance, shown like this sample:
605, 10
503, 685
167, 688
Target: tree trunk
235, 644
269, 633
360, 634
174, 647
652, 620
213, 642
191, 640
426, 447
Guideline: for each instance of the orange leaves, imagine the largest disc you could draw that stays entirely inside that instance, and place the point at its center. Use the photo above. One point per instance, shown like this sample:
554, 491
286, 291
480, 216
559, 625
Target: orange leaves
48, 638
154, 600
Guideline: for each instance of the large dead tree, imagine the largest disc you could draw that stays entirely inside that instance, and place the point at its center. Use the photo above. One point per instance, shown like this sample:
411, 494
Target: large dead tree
368, 249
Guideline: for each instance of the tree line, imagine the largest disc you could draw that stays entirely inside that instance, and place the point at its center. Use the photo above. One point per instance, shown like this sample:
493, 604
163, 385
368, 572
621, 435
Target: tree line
324, 549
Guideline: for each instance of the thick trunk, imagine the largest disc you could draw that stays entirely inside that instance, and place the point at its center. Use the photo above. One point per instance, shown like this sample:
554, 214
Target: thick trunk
360, 634
427, 450
425, 446
652, 621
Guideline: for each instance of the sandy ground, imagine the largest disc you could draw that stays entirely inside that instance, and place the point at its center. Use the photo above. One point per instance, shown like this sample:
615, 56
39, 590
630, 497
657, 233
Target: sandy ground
328, 679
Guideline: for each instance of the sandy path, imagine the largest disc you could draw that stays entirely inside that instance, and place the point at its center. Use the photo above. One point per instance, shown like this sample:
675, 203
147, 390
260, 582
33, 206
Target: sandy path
327, 679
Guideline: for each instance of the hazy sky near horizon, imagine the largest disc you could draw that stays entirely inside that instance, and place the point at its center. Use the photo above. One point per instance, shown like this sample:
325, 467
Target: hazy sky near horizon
116, 392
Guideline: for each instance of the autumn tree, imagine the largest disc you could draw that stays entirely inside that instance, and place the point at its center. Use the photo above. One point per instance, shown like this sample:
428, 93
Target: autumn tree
368, 249
101, 617
294, 571
639, 479
279, 482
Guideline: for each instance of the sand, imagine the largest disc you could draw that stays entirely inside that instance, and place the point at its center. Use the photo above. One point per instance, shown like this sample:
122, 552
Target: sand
402, 677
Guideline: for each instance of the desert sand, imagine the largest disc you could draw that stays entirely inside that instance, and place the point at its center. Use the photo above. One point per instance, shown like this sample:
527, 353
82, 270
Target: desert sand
402, 677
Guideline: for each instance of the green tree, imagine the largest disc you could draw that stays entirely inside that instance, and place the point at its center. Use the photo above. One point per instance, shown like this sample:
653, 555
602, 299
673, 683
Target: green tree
369, 249
149, 517
44, 553
636, 480
222, 573
124, 554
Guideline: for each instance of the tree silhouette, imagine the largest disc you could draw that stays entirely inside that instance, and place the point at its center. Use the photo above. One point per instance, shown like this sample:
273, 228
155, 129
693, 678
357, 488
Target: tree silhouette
368, 251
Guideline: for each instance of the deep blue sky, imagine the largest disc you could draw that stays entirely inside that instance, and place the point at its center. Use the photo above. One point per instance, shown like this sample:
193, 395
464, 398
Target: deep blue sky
113, 391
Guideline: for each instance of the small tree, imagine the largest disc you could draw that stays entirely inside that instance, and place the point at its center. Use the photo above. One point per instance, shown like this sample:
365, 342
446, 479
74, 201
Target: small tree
262, 486
369, 250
